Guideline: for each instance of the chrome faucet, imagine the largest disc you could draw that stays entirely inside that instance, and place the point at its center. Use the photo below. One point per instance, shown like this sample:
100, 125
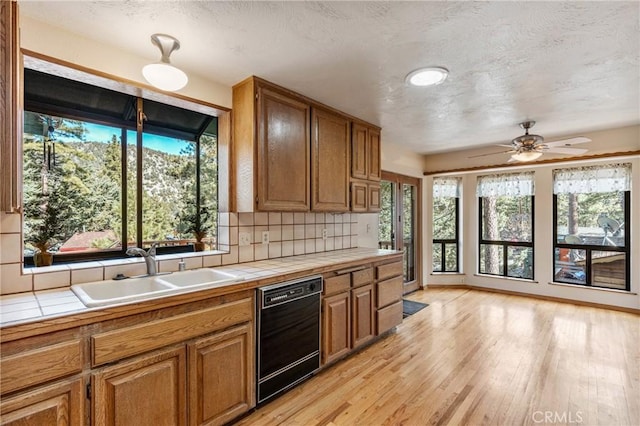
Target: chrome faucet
149, 257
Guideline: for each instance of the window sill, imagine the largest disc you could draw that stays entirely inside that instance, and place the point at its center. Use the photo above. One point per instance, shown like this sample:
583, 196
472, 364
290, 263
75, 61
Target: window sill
501, 277
578, 286
448, 273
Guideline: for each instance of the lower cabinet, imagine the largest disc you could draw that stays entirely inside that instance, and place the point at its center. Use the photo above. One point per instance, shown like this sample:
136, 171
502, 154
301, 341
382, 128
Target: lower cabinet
221, 376
336, 326
362, 309
149, 390
59, 404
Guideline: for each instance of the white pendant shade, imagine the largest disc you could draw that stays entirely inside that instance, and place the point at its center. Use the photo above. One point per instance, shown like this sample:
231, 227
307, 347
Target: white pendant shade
162, 74
165, 76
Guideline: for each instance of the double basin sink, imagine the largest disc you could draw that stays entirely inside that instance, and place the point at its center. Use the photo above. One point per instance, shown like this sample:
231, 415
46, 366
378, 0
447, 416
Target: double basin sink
101, 293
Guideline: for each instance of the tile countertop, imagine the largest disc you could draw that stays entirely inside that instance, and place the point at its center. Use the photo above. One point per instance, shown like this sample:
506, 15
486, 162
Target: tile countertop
24, 308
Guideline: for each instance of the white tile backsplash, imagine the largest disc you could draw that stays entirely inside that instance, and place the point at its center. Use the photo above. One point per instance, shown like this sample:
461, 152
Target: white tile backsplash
290, 233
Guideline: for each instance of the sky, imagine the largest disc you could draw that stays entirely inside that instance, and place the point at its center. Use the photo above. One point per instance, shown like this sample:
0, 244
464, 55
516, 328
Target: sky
100, 133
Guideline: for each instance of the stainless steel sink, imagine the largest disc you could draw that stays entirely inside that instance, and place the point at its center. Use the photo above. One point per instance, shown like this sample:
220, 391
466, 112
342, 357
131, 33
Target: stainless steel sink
200, 277
102, 293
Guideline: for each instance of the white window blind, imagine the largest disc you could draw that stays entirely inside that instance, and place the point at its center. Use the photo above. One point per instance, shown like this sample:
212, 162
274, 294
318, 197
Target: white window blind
506, 184
446, 187
583, 180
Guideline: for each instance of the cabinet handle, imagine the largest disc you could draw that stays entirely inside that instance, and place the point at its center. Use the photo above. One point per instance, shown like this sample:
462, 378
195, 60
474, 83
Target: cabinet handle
349, 270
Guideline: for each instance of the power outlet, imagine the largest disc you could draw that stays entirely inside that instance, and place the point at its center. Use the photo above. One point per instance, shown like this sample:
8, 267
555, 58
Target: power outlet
324, 233
265, 237
244, 238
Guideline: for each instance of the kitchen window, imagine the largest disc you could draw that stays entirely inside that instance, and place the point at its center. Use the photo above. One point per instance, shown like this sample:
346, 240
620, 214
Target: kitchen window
445, 221
506, 204
104, 171
592, 221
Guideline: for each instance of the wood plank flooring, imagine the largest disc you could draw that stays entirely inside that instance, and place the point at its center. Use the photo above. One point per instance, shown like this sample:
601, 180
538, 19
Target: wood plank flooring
480, 358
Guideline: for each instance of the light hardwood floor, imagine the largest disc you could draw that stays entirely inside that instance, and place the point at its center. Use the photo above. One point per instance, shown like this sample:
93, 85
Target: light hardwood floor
480, 358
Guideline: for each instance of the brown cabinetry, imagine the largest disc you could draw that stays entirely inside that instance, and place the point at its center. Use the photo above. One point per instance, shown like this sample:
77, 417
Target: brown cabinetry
388, 296
330, 162
221, 376
365, 168
272, 148
60, 404
292, 153
348, 310
149, 390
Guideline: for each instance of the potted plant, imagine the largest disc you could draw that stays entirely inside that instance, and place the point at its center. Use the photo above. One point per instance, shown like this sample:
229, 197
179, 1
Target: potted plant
45, 227
196, 224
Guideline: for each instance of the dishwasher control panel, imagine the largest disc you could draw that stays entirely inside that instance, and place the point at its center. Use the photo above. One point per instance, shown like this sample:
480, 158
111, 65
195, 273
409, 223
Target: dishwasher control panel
292, 290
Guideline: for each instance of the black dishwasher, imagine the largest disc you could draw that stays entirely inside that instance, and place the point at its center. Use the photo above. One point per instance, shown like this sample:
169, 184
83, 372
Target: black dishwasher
288, 334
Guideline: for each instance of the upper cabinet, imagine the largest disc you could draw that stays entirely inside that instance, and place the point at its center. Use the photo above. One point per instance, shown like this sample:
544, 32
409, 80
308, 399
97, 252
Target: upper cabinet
292, 153
272, 149
365, 168
330, 162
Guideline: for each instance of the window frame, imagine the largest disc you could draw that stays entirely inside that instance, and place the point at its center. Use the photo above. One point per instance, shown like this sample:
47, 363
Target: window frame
506, 244
444, 241
589, 248
215, 112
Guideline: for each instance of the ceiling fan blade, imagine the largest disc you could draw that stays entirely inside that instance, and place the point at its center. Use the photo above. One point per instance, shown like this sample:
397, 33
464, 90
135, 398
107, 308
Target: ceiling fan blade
568, 142
491, 153
562, 150
505, 145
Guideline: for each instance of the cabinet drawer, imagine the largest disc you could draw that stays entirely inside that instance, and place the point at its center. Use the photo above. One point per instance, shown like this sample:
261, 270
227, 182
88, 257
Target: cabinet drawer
389, 270
337, 284
389, 291
363, 277
389, 317
118, 344
40, 365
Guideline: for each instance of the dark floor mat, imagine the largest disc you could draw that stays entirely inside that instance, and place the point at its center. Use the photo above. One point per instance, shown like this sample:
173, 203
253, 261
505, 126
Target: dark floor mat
409, 307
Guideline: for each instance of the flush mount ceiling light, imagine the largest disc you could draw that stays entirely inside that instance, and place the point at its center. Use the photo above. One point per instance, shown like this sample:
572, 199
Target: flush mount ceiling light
526, 155
430, 76
162, 74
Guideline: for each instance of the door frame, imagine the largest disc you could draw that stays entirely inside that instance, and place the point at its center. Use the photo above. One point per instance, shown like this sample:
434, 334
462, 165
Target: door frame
398, 179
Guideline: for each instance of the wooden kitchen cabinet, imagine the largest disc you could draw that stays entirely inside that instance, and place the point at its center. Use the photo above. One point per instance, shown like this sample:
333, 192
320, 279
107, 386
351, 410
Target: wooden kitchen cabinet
365, 197
148, 390
365, 152
60, 404
374, 170
389, 287
362, 309
330, 162
272, 148
221, 376
336, 326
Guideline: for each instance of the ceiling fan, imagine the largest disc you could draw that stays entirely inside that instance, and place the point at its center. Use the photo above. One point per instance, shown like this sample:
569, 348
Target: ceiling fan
530, 147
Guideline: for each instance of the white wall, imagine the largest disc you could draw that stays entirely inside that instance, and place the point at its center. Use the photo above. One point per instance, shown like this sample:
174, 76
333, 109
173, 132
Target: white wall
61, 44
543, 240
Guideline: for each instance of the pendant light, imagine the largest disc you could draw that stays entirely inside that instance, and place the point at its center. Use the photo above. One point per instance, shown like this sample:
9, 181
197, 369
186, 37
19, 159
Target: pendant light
162, 74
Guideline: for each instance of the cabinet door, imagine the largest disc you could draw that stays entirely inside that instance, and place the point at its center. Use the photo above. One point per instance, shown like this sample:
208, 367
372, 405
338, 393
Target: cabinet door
59, 404
374, 169
373, 197
149, 390
336, 326
358, 197
363, 314
330, 162
359, 151
221, 376
283, 162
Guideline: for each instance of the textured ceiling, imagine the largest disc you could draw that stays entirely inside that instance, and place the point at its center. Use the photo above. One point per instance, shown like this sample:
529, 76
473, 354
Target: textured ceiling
571, 66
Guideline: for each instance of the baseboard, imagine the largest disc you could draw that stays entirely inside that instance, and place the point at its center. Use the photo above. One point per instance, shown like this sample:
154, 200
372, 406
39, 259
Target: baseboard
534, 296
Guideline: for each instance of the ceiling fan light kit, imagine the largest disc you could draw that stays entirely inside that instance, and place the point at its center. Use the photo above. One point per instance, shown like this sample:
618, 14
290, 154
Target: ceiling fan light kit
529, 147
162, 74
